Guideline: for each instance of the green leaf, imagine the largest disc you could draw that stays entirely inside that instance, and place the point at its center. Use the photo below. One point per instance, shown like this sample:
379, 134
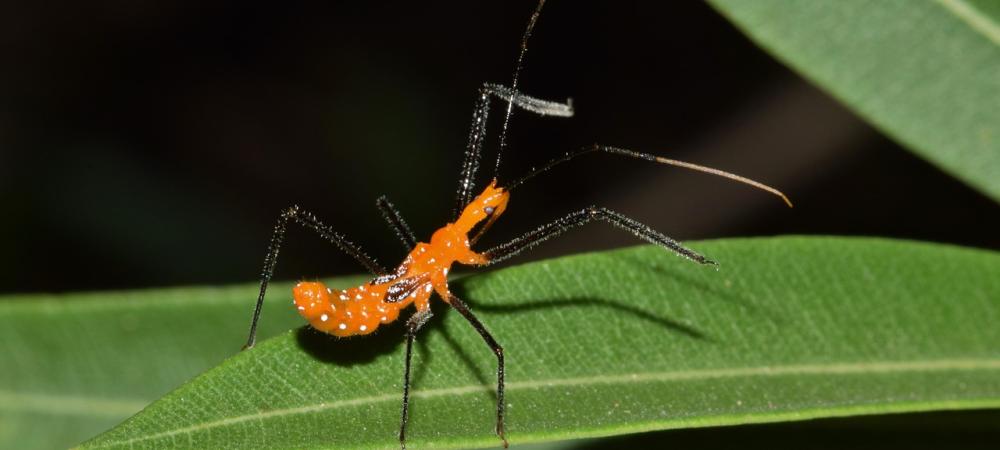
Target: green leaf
597, 344
924, 72
75, 365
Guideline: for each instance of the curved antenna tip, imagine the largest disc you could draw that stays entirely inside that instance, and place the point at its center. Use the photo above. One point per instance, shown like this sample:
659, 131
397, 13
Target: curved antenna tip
724, 174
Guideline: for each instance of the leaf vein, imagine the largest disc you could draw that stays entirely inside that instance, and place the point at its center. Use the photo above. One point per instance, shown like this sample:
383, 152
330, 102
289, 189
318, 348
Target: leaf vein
967, 364
975, 19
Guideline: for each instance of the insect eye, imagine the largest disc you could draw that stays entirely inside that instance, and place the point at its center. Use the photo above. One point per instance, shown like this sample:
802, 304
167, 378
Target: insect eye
488, 210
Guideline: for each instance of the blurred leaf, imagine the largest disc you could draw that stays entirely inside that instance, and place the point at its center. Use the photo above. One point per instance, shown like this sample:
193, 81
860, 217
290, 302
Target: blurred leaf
598, 344
924, 72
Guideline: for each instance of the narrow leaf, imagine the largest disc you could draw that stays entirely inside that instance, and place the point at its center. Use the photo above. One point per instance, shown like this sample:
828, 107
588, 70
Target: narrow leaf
924, 72
619, 342
74, 365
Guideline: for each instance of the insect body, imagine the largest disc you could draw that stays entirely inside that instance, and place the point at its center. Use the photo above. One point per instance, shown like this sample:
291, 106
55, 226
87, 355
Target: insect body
424, 271
360, 310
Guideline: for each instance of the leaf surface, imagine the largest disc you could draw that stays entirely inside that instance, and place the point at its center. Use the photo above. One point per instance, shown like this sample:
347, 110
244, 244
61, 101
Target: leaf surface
74, 365
608, 343
924, 72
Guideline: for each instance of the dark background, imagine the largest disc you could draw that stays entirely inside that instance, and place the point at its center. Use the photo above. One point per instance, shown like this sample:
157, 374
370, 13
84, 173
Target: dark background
154, 143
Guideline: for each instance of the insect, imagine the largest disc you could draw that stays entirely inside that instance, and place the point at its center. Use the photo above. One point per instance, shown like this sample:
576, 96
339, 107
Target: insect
361, 310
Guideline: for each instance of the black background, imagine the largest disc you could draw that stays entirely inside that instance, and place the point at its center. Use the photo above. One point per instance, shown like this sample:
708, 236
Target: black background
154, 143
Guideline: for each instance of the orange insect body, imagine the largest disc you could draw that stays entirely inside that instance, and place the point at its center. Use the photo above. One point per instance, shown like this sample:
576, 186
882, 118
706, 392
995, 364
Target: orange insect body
360, 310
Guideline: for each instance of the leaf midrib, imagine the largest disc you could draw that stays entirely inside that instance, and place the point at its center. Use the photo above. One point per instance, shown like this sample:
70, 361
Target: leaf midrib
973, 17
959, 364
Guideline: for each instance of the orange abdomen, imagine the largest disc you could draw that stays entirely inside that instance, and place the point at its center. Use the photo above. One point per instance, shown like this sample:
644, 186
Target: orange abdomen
356, 311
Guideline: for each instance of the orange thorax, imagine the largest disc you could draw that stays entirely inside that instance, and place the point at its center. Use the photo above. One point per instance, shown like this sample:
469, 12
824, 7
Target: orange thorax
360, 310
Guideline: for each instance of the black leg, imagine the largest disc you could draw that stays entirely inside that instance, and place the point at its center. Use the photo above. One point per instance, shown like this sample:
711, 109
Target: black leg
417, 320
396, 222
557, 227
309, 221
477, 133
463, 309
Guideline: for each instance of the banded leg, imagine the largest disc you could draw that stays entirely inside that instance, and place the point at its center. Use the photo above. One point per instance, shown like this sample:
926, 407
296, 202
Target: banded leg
271, 260
396, 222
477, 133
573, 220
463, 309
417, 320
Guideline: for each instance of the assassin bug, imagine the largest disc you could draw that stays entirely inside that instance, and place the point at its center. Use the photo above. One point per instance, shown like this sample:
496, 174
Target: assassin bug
361, 310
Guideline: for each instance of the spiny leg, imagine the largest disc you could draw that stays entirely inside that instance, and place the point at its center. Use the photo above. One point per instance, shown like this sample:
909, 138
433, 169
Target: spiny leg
583, 216
396, 222
463, 309
271, 260
417, 320
477, 133
528, 103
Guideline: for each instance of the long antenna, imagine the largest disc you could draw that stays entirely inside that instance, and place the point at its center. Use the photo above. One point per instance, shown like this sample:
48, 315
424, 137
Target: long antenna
653, 158
513, 84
